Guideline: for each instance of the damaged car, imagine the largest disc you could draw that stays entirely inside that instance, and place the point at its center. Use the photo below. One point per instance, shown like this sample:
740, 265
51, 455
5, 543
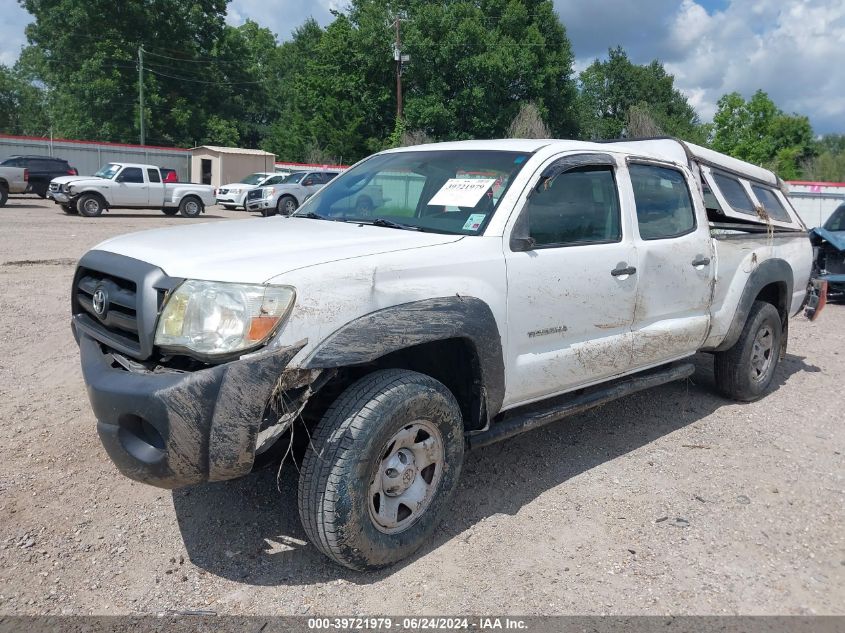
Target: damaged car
487, 288
829, 242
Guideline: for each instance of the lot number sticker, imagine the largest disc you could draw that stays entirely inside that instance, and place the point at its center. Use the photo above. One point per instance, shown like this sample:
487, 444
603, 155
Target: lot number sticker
474, 221
462, 192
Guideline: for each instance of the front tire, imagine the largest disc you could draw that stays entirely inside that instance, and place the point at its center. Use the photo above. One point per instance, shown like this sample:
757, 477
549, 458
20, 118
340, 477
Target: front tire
69, 209
190, 207
228, 207
745, 371
4, 195
287, 205
382, 467
90, 205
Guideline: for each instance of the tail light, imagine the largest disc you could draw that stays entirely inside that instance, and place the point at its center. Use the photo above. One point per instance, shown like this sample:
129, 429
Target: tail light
72, 172
26, 175
817, 299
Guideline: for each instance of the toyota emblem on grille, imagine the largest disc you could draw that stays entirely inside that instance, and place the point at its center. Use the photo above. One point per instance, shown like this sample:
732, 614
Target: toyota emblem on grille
100, 301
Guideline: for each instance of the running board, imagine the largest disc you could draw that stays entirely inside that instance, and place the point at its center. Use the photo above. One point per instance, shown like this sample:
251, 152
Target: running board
539, 414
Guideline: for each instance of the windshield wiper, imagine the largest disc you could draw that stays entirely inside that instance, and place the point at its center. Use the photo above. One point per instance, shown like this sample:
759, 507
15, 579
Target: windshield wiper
390, 224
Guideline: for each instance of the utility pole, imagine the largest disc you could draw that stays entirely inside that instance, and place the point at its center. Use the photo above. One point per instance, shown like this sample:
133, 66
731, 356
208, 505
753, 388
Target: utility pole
141, 90
400, 61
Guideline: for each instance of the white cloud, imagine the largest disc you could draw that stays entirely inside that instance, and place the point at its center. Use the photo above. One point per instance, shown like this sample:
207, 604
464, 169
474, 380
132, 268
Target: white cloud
789, 48
15, 19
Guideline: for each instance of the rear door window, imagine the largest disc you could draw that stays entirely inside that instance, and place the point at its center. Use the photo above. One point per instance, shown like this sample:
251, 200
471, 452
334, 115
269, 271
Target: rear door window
664, 204
153, 175
771, 204
734, 193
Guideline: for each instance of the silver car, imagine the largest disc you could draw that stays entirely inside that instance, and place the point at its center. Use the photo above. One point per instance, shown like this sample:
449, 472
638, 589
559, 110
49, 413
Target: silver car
285, 197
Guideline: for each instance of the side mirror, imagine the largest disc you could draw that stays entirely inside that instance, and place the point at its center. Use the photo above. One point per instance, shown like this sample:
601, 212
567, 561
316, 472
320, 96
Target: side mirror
523, 244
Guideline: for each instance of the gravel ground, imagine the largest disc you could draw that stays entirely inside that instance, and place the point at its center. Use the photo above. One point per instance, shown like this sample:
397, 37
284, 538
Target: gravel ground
670, 501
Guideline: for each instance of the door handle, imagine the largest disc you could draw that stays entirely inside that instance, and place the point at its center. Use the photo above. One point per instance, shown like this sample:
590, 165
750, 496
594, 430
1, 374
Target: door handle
701, 261
619, 271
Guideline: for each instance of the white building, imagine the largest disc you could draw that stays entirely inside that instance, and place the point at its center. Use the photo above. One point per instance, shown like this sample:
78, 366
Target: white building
816, 201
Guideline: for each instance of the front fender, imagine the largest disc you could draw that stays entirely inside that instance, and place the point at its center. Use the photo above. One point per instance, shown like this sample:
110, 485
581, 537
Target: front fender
374, 335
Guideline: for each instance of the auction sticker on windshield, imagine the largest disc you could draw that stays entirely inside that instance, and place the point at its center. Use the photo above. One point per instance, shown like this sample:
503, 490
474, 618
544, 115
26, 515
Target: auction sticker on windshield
462, 192
474, 221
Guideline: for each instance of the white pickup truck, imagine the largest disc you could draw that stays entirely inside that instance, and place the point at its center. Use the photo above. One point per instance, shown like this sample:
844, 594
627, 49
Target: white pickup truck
12, 180
493, 287
129, 186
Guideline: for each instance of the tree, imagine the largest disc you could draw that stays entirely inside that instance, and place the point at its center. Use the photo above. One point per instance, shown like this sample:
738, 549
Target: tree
23, 107
759, 132
473, 62
611, 89
528, 123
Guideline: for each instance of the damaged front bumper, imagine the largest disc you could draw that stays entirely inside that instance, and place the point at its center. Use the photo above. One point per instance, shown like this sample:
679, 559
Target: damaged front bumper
174, 429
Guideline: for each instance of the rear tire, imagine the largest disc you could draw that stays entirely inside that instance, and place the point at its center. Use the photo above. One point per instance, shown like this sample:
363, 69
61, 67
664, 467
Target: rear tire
381, 469
191, 207
170, 210
4, 195
745, 371
90, 205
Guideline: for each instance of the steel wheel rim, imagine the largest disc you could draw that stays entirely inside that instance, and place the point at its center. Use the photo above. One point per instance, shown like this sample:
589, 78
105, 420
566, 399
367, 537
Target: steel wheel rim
92, 206
762, 353
406, 477
290, 206
191, 207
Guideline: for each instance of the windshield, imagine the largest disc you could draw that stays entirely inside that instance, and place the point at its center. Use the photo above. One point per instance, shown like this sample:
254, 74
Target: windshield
446, 191
836, 222
294, 178
253, 179
108, 171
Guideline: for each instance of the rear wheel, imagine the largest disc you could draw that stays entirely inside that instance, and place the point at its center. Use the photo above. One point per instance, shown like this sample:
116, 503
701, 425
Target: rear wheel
90, 205
4, 195
745, 371
170, 210
286, 205
190, 207
381, 469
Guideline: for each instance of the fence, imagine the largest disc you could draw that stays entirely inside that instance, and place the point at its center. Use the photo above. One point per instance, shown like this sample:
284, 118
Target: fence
89, 156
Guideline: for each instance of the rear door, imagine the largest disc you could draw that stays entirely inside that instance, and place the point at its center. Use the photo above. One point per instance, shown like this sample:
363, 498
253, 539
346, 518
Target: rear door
571, 279
676, 268
155, 191
130, 188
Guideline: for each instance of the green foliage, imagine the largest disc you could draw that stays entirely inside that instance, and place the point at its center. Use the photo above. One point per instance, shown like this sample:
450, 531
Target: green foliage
23, 107
611, 89
758, 132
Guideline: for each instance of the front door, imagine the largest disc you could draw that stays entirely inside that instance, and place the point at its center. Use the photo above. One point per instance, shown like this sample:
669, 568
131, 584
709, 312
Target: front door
130, 190
572, 283
675, 265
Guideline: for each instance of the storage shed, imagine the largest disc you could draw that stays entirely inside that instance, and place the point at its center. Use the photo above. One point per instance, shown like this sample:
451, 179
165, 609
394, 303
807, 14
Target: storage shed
213, 165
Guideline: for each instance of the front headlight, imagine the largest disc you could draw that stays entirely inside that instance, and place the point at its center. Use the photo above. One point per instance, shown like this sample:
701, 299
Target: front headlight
216, 319
269, 192
236, 192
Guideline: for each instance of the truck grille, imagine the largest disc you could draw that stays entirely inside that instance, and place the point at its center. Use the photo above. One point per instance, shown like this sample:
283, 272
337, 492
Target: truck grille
116, 301
120, 310
55, 187
255, 194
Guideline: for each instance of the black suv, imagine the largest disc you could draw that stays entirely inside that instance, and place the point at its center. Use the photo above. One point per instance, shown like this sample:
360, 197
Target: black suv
42, 169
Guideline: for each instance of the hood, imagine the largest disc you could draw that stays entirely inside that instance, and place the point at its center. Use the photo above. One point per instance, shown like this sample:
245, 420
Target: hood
66, 180
256, 250
237, 185
835, 238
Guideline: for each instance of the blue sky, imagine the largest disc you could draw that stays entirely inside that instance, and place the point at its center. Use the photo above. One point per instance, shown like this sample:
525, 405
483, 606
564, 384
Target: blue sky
792, 49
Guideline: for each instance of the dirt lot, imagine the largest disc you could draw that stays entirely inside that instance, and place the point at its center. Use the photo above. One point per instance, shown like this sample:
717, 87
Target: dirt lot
671, 501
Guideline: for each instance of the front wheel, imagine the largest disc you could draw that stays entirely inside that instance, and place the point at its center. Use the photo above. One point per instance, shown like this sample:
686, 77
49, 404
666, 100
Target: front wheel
383, 464
286, 205
190, 207
90, 205
745, 371
228, 207
4, 195
69, 209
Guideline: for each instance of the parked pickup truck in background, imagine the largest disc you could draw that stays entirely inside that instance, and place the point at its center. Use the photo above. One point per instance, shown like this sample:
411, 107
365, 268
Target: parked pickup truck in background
12, 180
493, 287
128, 186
